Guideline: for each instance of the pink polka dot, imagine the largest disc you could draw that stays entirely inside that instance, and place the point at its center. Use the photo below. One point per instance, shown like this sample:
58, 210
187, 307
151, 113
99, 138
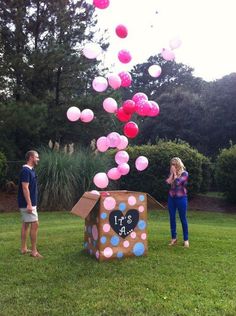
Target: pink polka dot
95, 232
97, 254
141, 208
89, 240
106, 228
109, 203
133, 235
144, 236
126, 244
132, 200
108, 252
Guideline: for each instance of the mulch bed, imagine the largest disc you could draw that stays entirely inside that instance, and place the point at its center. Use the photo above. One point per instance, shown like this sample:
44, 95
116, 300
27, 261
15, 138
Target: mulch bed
8, 203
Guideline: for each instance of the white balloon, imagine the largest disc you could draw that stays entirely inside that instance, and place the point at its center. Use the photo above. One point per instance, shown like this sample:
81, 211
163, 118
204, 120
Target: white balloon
175, 43
154, 71
100, 84
91, 50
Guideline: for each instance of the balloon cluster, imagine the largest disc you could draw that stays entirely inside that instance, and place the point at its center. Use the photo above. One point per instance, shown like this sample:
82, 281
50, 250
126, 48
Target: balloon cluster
74, 114
138, 105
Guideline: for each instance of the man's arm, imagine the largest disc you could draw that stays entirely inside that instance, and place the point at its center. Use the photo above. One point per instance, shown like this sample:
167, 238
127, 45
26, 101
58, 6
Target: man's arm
26, 192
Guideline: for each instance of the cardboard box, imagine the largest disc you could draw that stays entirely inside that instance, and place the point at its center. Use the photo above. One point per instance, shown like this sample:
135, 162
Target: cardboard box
115, 223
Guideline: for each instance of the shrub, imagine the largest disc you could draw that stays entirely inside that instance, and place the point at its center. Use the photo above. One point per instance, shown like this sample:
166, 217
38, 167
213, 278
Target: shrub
3, 168
225, 173
152, 180
63, 178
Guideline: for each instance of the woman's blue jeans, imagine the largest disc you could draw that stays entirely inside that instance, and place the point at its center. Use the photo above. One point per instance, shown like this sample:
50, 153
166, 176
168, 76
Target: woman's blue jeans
180, 204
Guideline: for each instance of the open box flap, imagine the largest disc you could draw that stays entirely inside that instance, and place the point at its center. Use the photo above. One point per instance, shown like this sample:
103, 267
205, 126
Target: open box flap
153, 203
85, 204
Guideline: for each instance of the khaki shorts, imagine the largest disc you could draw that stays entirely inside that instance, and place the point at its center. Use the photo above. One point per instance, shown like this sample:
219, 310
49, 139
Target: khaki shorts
29, 217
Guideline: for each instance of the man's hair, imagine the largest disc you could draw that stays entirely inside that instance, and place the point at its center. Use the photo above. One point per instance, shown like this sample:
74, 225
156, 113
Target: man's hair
29, 154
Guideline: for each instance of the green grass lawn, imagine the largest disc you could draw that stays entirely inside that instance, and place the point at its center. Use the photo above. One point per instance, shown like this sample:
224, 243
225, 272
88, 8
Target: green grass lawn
200, 280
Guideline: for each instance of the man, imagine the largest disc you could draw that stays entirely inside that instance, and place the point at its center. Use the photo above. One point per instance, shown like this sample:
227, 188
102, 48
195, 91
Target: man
27, 202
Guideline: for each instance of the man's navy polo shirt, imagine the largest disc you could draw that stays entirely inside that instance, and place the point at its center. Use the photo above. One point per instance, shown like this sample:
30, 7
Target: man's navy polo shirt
27, 175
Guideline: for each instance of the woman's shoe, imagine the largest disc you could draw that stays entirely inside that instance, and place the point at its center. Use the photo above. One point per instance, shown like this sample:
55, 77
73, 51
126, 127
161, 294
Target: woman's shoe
186, 244
173, 242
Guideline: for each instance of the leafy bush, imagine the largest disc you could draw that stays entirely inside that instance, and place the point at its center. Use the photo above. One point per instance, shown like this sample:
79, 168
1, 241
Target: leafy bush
225, 173
63, 178
152, 180
3, 168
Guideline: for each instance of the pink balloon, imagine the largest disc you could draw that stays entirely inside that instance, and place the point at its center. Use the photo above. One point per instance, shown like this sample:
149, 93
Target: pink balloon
73, 114
143, 107
154, 71
154, 110
124, 169
100, 84
91, 50
102, 144
114, 174
126, 78
121, 31
101, 180
122, 115
141, 163
87, 116
95, 192
167, 54
101, 4
131, 129
110, 105
175, 43
114, 81
123, 142
129, 106
139, 96
114, 139
121, 157
124, 56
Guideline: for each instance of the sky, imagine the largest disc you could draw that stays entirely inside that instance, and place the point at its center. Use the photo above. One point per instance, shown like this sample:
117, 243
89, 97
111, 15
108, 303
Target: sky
207, 29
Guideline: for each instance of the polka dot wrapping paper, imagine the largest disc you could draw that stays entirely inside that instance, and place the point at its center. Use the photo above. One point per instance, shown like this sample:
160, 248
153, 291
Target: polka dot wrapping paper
116, 225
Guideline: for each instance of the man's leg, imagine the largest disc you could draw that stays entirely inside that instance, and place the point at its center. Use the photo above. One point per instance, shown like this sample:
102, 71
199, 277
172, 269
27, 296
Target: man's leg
33, 237
24, 235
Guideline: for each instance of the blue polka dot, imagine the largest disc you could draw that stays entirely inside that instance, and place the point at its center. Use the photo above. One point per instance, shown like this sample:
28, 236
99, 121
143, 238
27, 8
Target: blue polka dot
103, 239
122, 206
138, 249
103, 215
94, 243
141, 224
120, 254
90, 251
115, 240
89, 229
85, 245
141, 198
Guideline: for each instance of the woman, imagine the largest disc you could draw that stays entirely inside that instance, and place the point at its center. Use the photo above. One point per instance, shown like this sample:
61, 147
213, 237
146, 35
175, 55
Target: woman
177, 199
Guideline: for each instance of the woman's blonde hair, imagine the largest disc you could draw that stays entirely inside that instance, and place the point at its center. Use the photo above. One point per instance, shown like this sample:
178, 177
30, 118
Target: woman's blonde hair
178, 164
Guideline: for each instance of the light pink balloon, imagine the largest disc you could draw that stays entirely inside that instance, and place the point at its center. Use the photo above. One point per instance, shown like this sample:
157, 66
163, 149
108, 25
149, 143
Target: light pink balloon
87, 115
114, 174
114, 139
154, 110
175, 43
100, 84
124, 56
126, 78
124, 169
123, 142
73, 114
110, 105
101, 4
95, 192
102, 144
121, 31
139, 96
141, 163
91, 50
167, 54
154, 71
101, 180
121, 157
114, 81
